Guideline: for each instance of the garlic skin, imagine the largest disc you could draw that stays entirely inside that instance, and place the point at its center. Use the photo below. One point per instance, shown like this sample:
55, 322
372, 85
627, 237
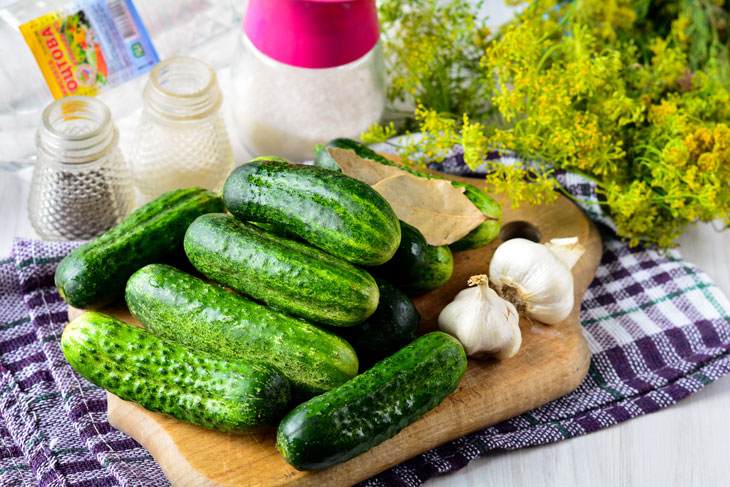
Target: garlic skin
485, 324
537, 278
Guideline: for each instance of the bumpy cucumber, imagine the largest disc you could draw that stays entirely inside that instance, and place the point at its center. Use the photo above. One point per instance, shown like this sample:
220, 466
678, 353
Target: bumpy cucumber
288, 275
479, 237
374, 406
393, 326
416, 266
436, 273
95, 273
203, 316
409, 260
338, 214
134, 364
487, 230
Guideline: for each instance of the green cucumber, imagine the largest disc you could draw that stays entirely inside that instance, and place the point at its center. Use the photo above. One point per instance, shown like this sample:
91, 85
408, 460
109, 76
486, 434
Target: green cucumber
408, 261
95, 273
338, 214
374, 406
436, 273
477, 238
206, 317
393, 326
291, 276
416, 266
488, 230
230, 395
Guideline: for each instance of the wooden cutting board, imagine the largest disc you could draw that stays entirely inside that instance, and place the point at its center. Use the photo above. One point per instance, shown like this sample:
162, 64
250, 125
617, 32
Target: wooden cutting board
552, 361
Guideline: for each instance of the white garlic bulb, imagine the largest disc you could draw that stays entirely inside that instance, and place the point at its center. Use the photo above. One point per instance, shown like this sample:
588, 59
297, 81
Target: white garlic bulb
536, 278
485, 324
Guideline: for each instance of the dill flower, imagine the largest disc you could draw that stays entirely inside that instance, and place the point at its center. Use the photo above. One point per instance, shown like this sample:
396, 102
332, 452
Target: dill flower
632, 95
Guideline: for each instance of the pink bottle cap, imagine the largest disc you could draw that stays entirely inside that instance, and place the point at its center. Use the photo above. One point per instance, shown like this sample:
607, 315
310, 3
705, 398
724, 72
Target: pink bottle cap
312, 33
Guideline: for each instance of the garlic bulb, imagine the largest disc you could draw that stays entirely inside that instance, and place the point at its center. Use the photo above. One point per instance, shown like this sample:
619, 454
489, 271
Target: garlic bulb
537, 278
485, 324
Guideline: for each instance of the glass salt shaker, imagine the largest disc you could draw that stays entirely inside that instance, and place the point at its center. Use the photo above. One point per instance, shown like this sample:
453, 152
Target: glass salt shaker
181, 140
306, 72
81, 186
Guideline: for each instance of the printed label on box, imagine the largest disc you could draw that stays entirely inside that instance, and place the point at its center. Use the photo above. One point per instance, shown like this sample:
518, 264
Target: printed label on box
90, 45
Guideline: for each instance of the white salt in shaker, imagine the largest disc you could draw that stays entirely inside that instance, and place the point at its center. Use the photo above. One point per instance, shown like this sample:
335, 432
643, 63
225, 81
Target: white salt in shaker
306, 71
181, 140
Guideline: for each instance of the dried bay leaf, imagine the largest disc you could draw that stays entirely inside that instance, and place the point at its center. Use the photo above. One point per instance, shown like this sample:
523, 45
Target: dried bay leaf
365, 170
439, 210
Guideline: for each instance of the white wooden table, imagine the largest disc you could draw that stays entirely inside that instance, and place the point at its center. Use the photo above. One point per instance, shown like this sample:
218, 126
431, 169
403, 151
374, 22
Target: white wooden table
684, 445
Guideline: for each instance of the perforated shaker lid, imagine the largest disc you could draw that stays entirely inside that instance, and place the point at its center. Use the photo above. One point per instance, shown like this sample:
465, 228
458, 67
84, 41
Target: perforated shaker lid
312, 33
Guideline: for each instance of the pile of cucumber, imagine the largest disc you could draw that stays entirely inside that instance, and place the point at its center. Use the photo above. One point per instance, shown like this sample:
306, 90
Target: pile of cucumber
321, 268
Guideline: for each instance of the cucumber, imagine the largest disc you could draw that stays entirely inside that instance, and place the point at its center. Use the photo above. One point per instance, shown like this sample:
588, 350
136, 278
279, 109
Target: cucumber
393, 326
338, 214
477, 238
374, 406
416, 266
95, 273
488, 230
205, 317
292, 276
408, 261
230, 395
436, 273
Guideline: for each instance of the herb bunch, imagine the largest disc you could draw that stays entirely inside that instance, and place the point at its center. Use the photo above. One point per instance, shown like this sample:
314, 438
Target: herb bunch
632, 94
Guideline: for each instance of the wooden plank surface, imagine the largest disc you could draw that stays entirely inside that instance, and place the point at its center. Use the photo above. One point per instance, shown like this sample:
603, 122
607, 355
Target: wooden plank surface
552, 361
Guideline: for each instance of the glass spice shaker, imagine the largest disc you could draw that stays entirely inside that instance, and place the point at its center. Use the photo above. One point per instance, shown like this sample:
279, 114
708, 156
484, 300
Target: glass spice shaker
81, 186
181, 140
306, 72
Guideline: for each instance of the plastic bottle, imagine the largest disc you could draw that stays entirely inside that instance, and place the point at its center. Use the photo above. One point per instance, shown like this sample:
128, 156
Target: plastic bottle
198, 28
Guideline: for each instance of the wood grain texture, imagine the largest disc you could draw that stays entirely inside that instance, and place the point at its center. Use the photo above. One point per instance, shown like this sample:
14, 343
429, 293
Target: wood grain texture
551, 362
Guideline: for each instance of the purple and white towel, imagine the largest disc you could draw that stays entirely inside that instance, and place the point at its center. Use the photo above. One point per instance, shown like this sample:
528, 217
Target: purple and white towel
658, 328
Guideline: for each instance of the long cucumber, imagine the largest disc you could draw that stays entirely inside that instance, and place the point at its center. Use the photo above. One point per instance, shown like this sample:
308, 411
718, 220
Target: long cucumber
202, 316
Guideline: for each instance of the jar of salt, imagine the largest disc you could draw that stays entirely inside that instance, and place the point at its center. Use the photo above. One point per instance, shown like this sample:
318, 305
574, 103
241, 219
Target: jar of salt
181, 140
81, 186
306, 71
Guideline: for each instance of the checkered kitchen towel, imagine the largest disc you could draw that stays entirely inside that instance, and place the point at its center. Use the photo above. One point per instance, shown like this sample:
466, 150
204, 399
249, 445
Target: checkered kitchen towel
658, 327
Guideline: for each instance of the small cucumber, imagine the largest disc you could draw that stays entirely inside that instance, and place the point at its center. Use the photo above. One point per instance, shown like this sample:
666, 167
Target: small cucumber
477, 238
393, 326
229, 395
200, 315
95, 273
288, 275
409, 260
436, 273
340, 215
416, 266
374, 406
487, 230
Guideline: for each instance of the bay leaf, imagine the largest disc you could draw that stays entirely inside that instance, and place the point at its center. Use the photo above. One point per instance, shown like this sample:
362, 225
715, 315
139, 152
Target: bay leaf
439, 210
365, 170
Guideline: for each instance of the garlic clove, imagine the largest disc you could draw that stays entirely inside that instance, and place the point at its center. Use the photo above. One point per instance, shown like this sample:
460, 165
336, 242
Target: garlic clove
566, 250
484, 323
514, 344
